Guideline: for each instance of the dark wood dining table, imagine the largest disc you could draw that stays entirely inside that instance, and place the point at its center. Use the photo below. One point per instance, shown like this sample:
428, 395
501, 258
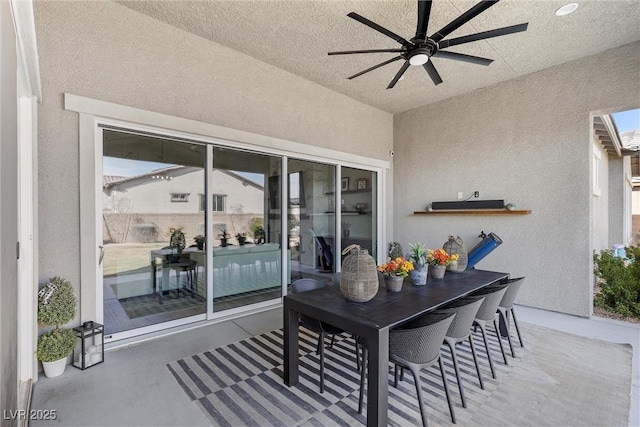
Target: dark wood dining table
372, 320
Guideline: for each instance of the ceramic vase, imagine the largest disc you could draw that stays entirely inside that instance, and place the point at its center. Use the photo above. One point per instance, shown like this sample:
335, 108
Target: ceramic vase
419, 275
393, 283
437, 271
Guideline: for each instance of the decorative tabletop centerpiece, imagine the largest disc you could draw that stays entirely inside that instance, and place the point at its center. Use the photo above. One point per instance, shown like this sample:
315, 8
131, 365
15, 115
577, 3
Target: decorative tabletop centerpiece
439, 259
394, 272
418, 257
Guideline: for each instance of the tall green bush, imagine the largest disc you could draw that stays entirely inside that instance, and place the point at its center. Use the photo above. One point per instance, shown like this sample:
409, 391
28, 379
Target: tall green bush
56, 306
619, 281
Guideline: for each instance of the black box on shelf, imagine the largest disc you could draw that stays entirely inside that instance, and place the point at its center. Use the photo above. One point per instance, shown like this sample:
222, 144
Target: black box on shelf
471, 204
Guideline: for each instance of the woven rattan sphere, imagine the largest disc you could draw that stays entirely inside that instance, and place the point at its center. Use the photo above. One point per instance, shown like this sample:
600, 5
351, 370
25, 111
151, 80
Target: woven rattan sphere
359, 279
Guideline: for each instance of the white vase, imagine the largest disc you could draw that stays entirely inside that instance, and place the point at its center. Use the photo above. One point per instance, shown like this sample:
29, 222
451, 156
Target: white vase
55, 368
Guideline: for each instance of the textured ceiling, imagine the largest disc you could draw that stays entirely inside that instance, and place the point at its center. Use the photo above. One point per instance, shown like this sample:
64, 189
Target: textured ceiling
296, 36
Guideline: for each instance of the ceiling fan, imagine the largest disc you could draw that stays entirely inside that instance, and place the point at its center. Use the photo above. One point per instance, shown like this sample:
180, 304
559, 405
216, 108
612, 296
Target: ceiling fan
420, 48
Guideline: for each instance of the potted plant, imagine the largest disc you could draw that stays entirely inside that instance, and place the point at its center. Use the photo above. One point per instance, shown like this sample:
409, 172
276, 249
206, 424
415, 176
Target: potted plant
242, 238
394, 272
418, 257
439, 259
56, 307
199, 241
224, 238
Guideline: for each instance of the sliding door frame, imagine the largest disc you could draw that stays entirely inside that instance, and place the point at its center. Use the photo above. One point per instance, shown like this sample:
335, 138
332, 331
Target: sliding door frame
95, 114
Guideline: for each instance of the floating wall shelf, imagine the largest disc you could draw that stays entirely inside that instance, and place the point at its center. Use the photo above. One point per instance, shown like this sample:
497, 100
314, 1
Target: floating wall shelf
475, 212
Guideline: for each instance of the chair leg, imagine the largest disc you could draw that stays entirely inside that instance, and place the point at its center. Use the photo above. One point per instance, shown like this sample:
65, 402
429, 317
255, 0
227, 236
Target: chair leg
446, 390
515, 322
454, 358
355, 341
321, 344
396, 368
362, 378
486, 346
416, 380
475, 360
505, 317
333, 339
504, 356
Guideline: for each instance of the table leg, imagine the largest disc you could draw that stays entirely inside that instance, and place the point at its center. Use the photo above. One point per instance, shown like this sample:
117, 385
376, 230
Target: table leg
290, 346
378, 384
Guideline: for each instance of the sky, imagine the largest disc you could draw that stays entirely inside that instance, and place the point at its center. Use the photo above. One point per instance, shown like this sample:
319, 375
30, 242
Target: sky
627, 120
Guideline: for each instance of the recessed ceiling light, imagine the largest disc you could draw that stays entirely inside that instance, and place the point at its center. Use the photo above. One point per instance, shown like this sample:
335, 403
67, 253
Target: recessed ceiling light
567, 9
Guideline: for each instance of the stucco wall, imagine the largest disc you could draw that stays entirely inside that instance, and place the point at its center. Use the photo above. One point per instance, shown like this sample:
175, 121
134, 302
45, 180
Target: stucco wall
108, 52
527, 141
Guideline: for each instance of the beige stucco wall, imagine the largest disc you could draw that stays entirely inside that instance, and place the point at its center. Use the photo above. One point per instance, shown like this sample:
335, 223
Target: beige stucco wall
600, 198
108, 52
527, 141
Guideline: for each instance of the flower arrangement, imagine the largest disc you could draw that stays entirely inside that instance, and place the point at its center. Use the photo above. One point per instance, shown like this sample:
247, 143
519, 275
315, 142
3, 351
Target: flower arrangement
396, 267
440, 257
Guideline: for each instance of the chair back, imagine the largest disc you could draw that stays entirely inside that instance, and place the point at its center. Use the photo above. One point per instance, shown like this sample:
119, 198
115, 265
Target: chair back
466, 311
304, 285
513, 287
492, 297
419, 341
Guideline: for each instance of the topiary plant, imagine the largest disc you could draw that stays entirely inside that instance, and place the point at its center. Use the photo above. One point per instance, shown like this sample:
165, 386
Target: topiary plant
56, 307
56, 303
55, 345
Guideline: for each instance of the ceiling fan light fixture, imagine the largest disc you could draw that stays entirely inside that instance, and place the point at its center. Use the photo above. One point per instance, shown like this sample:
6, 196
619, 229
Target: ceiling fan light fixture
567, 9
419, 59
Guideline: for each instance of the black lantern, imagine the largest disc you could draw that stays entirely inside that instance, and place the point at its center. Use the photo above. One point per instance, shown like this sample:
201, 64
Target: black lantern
89, 350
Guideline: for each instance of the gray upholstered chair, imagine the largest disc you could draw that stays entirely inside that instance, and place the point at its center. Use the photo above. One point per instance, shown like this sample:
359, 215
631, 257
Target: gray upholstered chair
460, 331
416, 345
506, 307
487, 312
321, 328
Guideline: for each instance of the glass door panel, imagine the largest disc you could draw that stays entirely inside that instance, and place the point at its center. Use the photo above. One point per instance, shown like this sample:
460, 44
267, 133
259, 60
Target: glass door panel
151, 188
311, 219
247, 253
359, 209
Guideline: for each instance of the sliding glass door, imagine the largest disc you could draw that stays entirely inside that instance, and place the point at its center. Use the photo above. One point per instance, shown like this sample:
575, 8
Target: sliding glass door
193, 229
150, 217
247, 228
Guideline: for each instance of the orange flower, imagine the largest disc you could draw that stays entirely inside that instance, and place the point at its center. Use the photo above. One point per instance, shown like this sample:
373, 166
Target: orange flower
440, 257
396, 267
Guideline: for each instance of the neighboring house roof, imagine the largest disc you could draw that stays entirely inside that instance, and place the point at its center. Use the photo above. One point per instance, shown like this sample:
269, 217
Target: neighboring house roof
109, 181
630, 139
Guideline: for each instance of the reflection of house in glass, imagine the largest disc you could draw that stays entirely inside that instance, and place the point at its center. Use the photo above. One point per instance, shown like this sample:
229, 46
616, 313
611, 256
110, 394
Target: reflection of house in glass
143, 208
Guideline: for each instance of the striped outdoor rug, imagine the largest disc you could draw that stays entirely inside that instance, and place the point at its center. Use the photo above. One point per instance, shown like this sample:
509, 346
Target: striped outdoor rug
557, 379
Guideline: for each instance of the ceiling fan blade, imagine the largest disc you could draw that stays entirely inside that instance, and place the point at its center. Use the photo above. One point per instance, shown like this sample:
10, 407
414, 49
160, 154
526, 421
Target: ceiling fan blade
462, 57
398, 75
483, 35
377, 27
349, 52
433, 73
424, 10
374, 67
463, 19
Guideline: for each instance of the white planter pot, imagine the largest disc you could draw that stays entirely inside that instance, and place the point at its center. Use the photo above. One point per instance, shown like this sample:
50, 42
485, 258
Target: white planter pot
55, 368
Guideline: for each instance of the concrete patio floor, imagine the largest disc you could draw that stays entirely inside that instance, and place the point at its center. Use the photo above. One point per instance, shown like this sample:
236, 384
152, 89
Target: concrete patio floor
132, 387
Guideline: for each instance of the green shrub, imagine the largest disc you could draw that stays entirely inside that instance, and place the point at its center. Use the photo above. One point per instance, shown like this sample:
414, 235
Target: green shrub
56, 306
619, 281
56, 303
55, 344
